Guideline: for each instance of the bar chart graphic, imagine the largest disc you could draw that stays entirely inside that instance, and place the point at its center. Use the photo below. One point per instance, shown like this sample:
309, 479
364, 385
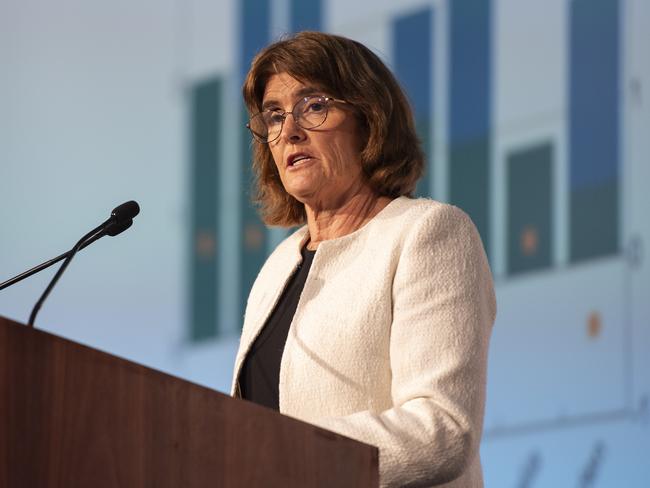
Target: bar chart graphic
539, 167
534, 117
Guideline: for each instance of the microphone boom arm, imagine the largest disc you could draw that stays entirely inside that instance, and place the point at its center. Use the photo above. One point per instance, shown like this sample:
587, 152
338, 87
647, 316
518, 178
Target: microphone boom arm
70, 254
110, 230
121, 219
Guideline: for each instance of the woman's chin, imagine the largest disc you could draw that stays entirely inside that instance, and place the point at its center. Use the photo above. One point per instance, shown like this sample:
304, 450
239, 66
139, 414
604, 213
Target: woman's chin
302, 190
303, 195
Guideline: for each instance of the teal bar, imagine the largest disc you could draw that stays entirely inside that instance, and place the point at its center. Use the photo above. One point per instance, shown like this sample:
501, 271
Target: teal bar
594, 128
470, 108
530, 193
253, 236
204, 194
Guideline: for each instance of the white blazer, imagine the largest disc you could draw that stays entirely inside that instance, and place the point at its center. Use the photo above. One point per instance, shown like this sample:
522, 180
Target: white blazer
389, 341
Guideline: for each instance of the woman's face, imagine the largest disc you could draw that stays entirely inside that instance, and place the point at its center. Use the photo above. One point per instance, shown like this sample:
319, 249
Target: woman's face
319, 167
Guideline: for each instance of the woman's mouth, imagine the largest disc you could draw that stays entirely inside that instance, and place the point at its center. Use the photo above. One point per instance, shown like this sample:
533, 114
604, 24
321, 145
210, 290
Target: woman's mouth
298, 159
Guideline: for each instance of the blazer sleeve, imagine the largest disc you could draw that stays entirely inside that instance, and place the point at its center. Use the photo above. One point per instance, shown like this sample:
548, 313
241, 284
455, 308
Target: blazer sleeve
443, 311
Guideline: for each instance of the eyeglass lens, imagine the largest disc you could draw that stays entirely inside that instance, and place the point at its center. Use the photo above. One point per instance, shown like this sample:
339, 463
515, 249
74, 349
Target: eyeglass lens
308, 113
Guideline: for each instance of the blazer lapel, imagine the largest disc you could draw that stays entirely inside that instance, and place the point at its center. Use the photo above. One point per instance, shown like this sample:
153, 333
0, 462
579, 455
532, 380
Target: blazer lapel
267, 289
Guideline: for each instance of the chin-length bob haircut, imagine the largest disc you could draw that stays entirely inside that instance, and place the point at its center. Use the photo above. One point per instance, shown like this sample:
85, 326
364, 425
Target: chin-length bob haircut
391, 158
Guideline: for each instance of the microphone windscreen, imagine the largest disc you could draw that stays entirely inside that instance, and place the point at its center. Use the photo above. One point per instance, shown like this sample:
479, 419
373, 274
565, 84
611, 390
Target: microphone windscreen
118, 227
125, 212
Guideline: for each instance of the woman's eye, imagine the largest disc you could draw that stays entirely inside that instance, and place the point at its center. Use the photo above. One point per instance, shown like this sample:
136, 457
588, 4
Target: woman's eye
316, 106
274, 117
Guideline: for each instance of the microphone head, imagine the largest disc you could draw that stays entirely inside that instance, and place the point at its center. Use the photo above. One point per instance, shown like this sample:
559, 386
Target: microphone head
125, 212
118, 227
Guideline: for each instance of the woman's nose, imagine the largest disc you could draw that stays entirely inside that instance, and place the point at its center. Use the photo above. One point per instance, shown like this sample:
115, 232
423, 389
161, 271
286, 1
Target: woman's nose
292, 132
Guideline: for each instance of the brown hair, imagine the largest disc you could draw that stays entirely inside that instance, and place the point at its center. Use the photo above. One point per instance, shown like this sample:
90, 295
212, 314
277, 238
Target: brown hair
391, 159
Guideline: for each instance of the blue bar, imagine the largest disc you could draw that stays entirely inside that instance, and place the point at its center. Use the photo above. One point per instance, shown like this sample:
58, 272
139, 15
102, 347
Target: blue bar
412, 59
255, 31
255, 34
594, 128
470, 105
306, 15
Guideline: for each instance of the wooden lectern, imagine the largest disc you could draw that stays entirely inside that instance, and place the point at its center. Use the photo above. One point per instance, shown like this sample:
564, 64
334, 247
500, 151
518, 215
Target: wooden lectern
72, 416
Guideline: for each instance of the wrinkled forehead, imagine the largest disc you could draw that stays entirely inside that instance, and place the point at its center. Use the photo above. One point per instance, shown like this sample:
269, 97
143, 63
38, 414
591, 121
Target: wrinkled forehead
283, 88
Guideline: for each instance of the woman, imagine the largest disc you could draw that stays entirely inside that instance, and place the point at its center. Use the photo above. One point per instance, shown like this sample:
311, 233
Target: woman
373, 319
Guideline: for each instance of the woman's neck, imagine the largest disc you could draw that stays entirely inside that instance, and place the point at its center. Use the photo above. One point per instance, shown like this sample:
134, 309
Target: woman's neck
352, 214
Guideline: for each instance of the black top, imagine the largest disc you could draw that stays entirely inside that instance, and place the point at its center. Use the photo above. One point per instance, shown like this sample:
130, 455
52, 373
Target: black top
259, 378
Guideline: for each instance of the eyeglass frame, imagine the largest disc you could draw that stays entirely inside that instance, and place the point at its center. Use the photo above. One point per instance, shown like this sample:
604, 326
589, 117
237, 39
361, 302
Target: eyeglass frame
296, 120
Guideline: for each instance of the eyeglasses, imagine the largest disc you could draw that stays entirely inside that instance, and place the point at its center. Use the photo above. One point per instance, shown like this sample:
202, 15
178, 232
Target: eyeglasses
308, 113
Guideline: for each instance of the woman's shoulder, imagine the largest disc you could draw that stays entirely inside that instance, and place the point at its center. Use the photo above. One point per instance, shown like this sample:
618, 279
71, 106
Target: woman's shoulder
413, 224
417, 212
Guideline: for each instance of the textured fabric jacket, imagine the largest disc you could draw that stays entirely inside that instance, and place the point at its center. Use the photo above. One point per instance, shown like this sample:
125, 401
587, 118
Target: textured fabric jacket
389, 342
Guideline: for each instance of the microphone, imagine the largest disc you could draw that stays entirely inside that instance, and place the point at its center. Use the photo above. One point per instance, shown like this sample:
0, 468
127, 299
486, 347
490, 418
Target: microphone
112, 231
121, 219
121, 213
